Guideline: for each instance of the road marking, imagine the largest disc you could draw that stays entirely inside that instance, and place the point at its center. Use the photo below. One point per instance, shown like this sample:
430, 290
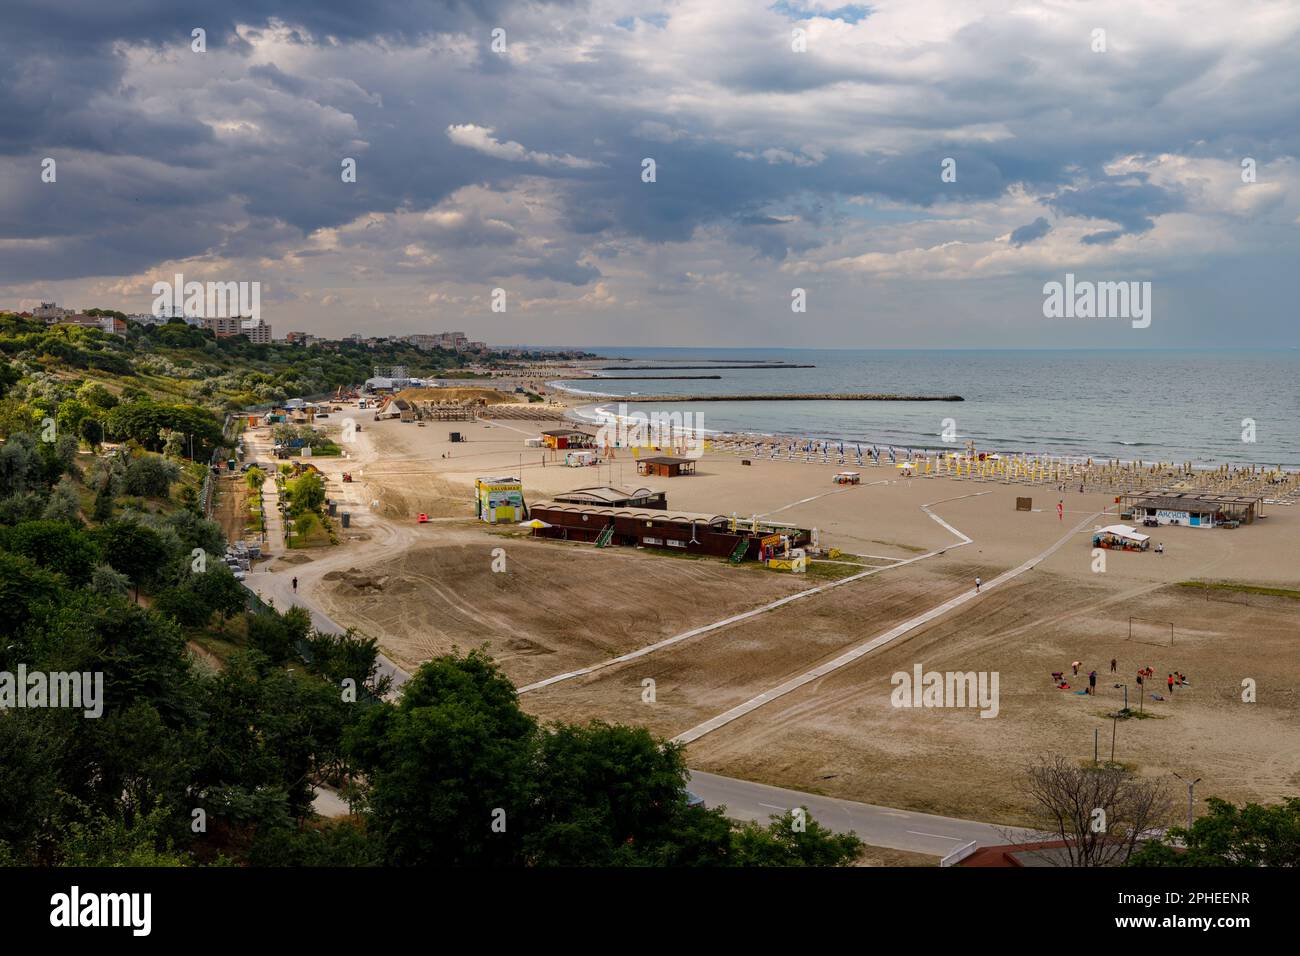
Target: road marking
736, 618
937, 836
854, 653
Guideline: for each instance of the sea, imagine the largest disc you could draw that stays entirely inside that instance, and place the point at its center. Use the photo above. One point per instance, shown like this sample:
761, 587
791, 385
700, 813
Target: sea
1207, 407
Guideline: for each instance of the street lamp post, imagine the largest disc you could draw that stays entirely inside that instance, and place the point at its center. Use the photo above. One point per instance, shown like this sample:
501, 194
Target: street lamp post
1191, 788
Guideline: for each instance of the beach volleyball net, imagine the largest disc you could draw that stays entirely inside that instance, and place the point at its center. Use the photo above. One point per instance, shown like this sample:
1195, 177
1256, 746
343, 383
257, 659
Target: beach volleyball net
1144, 631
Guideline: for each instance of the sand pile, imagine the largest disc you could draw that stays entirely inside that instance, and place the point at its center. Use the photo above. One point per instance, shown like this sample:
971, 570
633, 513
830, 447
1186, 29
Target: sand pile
353, 581
457, 395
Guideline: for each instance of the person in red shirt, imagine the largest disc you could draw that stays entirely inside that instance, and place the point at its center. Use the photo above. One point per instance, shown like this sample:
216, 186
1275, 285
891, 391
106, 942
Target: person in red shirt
1171, 683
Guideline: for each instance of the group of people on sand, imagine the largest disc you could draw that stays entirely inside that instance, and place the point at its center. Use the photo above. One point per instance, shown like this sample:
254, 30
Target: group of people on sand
1176, 679
1144, 675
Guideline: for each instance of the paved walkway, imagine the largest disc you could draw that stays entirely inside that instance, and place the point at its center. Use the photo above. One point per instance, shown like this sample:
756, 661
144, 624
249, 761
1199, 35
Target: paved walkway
854, 653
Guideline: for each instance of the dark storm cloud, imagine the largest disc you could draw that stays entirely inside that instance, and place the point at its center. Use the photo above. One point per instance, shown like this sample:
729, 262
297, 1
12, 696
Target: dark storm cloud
243, 159
1028, 233
1131, 205
92, 23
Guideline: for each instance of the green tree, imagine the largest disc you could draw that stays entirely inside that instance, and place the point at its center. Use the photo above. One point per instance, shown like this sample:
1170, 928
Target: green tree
608, 794
64, 504
151, 476
444, 762
306, 493
793, 840
92, 431
95, 394
54, 545
135, 550
24, 587
1230, 836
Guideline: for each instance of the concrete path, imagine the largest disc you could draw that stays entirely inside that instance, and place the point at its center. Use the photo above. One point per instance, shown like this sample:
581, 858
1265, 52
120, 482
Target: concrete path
854, 653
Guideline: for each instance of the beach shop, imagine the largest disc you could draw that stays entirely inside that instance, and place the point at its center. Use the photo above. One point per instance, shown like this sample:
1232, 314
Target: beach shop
499, 500
665, 466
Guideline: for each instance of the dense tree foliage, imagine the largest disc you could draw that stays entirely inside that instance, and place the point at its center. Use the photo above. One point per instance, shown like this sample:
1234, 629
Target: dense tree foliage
1228, 835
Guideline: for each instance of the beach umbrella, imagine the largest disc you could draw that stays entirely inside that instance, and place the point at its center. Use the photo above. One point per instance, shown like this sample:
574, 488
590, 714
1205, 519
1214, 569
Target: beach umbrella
536, 524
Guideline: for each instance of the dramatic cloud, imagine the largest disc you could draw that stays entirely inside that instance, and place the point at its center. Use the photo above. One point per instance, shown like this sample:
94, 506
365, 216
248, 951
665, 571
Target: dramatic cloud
906, 161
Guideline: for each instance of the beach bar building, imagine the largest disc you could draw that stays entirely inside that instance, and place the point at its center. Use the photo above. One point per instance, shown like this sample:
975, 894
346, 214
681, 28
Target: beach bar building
1192, 509
665, 466
562, 438
500, 500
691, 532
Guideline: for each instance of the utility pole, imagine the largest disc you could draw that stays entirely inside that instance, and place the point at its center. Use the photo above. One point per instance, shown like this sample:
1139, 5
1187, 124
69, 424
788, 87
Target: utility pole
1114, 729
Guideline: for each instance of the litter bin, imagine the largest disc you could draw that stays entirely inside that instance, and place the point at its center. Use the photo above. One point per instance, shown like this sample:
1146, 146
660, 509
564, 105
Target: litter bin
347, 518
334, 508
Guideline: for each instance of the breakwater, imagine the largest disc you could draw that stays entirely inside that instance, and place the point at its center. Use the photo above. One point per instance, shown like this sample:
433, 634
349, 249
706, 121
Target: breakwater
796, 397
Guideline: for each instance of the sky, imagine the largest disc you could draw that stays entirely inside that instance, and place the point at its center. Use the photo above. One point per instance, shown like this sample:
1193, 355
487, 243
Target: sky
920, 169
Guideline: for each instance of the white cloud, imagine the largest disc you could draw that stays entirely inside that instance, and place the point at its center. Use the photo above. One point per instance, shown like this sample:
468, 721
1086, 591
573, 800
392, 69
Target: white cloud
480, 138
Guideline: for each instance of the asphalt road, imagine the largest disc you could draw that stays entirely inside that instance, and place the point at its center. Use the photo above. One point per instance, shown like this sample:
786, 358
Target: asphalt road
876, 826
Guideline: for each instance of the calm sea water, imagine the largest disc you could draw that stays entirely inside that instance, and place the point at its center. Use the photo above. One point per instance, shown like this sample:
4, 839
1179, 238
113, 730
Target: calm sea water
1153, 406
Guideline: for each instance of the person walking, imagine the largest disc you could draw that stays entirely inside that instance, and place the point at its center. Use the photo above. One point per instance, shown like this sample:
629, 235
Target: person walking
1171, 684
295, 585
977, 584
1092, 681
1113, 662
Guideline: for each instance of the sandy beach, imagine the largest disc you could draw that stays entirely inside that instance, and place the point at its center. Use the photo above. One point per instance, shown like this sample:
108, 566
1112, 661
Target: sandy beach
560, 607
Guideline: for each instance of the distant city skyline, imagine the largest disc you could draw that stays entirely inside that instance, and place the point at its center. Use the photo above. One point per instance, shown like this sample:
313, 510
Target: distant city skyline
921, 170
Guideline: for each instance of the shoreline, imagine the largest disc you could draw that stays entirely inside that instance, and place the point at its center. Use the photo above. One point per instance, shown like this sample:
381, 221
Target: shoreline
597, 414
